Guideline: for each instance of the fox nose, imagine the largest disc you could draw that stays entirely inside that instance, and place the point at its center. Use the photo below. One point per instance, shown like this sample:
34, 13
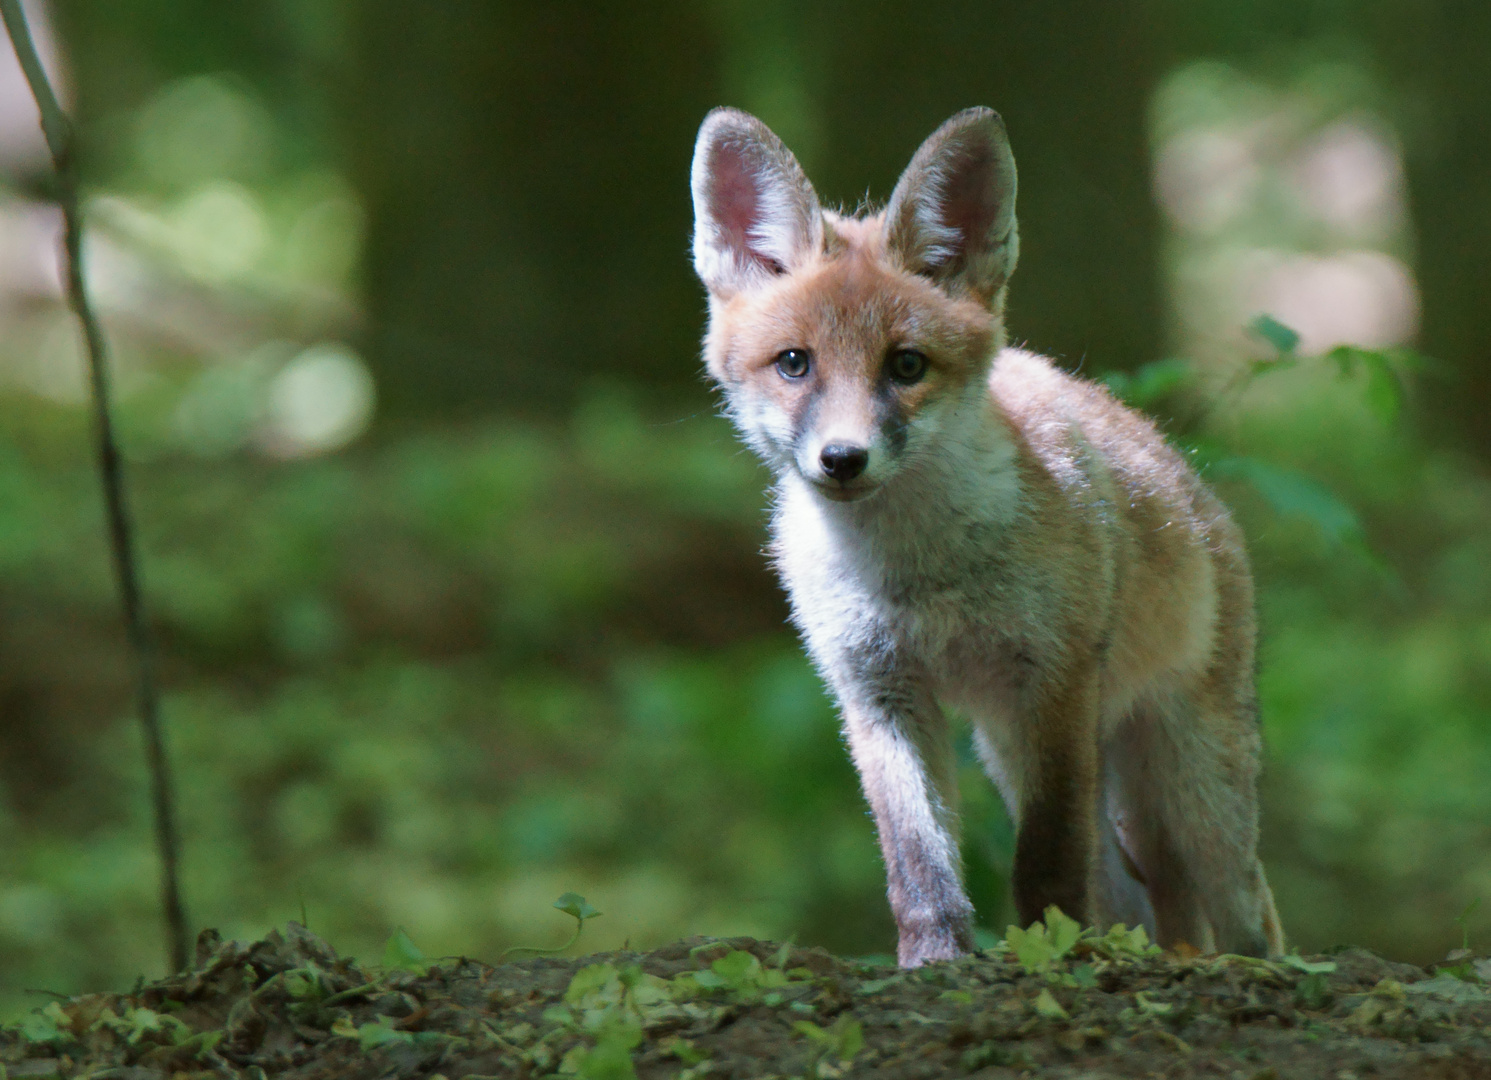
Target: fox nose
844, 463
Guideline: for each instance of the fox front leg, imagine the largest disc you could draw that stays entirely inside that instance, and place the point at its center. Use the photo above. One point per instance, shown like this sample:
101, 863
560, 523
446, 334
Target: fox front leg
901, 747
1056, 832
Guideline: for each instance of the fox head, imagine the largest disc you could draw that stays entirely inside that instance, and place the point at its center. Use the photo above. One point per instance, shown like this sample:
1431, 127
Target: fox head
846, 346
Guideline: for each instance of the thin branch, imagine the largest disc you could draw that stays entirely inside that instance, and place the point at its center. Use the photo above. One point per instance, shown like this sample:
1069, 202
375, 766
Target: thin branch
59, 135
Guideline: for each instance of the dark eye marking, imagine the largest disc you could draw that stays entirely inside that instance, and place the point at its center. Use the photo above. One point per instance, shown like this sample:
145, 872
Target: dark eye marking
906, 366
794, 363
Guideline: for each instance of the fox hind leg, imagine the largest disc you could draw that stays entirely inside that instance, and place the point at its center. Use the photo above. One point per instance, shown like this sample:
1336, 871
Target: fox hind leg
1120, 894
1185, 773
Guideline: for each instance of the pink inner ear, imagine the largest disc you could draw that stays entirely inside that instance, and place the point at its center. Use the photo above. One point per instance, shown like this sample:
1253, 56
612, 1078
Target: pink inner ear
968, 200
735, 201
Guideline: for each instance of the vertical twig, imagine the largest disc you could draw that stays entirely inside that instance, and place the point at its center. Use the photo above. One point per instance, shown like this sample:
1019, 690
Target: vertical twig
59, 136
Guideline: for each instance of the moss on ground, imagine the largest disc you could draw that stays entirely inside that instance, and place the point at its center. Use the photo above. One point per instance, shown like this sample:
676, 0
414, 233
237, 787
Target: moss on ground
288, 1006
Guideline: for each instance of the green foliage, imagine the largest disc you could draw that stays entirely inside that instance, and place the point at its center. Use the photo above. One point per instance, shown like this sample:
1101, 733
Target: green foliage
1464, 920
575, 905
1047, 1006
440, 681
1313, 992
1290, 493
1309, 967
843, 1039
1042, 944
1122, 941
1151, 384
1283, 339
136, 1023
572, 904
740, 977
382, 1032
401, 954
609, 1006
47, 1025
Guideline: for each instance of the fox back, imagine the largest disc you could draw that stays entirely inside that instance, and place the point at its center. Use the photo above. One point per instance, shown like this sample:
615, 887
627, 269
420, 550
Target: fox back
962, 525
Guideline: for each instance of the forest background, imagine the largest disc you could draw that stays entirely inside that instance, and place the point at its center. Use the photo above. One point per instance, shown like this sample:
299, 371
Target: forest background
458, 576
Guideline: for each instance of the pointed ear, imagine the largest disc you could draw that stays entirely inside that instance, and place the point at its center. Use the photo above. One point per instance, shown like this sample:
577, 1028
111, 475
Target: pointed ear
755, 214
952, 215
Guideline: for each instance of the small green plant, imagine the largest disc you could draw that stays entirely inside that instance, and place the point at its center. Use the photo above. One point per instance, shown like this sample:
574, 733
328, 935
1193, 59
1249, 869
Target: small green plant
572, 904
1047, 1006
1309, 967
1313, 992
1042, 944
1464, 920
401, 954
1122, 941
609, 1006
48, 1025
743, 977
843, 1039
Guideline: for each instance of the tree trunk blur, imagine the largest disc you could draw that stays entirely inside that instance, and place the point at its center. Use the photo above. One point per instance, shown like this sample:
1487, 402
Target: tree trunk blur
528, 190
1072, 81
1438, 53
525, 171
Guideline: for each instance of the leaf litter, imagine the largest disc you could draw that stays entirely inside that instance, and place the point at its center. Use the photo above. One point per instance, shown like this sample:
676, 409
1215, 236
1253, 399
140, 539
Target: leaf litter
1052, 1001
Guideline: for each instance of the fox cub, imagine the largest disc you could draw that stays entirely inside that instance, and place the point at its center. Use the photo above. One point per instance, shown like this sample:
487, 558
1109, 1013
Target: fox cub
960, 523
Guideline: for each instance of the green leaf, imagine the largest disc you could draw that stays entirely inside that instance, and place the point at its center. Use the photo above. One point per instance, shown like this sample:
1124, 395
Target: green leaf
1309, 967
1030, 947
48, 1025
738, 968
781, 956
1384, 391
682, 1049
401, 954
304, 983
1151, 383
382, 1033
592, 981
1042, 944
1150, 1005
1275, 333
707, 980
845, 1039
1292, 494
1313, 992
202, 1043
1121, 941
1049, 1007
610, 1059
875, 986
139, 1022
572, 903
849, 1037
1063, 931
811, 1030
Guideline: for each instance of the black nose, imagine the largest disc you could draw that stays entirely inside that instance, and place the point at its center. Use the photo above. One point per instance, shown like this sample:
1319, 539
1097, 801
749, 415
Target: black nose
844, 463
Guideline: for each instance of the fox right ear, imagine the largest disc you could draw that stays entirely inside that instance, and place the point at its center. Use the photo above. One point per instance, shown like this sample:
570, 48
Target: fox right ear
755, 214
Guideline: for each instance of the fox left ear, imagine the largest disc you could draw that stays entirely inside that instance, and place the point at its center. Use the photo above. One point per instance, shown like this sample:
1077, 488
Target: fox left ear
952, 214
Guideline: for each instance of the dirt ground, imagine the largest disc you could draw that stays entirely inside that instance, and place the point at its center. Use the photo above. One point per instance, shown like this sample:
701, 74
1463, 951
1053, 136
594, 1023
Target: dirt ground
288, 1006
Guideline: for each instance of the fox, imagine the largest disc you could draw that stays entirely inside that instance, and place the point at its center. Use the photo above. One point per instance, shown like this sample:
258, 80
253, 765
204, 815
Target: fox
964, 528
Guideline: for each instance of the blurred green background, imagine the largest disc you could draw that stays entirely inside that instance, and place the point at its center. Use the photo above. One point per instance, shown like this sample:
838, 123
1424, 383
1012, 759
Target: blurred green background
457, 575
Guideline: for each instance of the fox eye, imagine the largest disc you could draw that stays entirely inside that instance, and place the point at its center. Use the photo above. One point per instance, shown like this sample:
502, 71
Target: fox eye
907, 366
794, 363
